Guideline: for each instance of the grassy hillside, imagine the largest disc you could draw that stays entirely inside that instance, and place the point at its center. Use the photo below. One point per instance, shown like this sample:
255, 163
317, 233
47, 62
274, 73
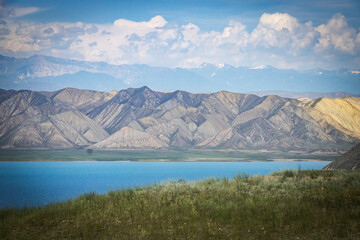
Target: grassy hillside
285, 205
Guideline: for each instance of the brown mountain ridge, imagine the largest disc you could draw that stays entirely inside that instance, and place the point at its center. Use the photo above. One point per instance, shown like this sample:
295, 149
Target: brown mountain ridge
140, 118
349, 160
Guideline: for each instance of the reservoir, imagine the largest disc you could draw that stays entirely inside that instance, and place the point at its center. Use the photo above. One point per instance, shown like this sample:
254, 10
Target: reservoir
39, 183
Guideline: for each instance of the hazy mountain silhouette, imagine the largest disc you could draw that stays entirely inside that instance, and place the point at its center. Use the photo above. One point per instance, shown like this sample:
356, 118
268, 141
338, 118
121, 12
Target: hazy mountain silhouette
50, 74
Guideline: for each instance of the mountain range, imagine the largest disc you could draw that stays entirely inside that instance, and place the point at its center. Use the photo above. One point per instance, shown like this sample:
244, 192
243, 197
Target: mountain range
44, 73
140, 118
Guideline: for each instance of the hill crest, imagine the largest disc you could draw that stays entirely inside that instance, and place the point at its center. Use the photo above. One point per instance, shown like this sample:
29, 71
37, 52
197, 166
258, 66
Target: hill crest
221, 120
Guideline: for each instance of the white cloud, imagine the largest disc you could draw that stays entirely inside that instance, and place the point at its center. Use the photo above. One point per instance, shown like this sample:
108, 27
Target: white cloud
236, 33
141, 28
279, 39
338, 35
280, 30
19, 12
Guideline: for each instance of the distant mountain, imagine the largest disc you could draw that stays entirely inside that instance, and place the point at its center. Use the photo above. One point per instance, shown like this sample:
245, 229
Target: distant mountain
310, 95
50, 74
140, 118
349, 160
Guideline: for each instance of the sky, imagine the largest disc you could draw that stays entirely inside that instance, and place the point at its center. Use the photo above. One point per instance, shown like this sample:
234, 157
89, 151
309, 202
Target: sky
283, 33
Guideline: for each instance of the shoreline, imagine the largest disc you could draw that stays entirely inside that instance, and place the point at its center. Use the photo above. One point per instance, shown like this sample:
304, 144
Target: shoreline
192, 150
160, 156
184, 160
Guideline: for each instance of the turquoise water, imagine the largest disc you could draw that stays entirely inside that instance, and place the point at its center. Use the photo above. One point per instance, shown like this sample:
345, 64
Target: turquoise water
40, 183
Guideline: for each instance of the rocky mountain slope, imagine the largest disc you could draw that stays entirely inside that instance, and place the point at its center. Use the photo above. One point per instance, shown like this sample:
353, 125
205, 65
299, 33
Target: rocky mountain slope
140, 118
349, 160
34, 120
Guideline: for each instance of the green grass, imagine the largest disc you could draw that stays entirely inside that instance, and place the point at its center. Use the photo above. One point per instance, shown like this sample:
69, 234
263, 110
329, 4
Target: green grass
285, 205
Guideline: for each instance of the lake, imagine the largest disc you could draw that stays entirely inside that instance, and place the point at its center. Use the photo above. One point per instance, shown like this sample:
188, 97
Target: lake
38, 183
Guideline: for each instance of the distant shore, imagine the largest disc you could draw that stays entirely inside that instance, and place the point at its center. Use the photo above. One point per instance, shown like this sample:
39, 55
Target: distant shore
168, 160
162, 155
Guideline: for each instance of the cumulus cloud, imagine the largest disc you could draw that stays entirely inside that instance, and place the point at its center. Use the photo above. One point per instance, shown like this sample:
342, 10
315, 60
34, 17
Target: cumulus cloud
124, 41
281, 30
337, 34
279, 39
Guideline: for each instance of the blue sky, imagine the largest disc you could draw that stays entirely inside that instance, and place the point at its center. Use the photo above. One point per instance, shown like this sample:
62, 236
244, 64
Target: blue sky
208, 14
285, 34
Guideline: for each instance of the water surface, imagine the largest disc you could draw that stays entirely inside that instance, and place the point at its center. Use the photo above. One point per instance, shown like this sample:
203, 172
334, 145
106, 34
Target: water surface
39, 183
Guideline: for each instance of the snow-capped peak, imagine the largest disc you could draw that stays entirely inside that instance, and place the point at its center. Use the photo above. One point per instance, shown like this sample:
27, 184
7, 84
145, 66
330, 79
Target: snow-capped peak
203, 65
259, 67
220, 65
